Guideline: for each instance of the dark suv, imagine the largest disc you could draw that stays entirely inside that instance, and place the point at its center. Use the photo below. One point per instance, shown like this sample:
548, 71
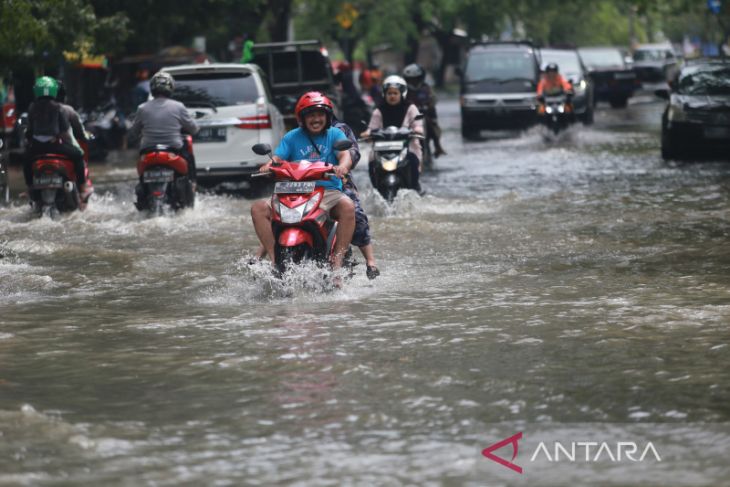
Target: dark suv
697, 116
498, 87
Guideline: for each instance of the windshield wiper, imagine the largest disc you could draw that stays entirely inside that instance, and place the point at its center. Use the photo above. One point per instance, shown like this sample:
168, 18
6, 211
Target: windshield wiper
201, 103
518, 78
482, 80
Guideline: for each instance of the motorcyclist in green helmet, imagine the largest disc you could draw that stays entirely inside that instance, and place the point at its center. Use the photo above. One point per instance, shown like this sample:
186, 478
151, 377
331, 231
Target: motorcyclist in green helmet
48, 132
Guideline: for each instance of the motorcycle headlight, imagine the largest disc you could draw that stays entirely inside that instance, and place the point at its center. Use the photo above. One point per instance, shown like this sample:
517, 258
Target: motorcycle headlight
561, 109
389, 165
309, 205
291, 215
548, 110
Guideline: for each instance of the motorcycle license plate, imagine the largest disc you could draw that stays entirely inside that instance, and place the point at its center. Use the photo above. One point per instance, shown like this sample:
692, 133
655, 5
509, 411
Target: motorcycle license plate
388, 146
159, 176
210, 134
48, 181
292, 187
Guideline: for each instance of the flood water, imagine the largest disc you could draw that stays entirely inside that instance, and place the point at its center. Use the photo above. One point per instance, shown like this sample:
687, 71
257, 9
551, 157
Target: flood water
574, 289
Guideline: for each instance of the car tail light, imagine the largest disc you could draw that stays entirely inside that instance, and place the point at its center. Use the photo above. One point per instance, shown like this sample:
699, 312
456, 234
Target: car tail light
255, 122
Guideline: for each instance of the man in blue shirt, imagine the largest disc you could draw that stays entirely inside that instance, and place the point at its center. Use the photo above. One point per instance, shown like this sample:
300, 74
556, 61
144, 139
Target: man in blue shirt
313, 141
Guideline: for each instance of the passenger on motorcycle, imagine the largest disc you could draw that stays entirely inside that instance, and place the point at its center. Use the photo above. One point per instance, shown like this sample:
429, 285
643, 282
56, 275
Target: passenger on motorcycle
361, 236
162, 121
313, 141
48, 132
421, 95
552, 83
77, 132
396, 111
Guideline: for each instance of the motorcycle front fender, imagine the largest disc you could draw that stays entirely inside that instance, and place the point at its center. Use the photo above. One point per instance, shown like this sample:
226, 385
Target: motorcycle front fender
291, 237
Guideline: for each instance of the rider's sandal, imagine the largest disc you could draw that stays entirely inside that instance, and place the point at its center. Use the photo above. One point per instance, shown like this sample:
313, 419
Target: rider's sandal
372, 272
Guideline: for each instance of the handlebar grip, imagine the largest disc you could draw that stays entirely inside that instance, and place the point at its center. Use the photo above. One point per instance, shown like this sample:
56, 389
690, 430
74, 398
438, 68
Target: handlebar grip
261, 175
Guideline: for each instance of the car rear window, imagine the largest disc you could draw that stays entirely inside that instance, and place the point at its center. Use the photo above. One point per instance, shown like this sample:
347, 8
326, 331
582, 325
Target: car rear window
215, 89
602, 58
567, 61
499, 66
281, 67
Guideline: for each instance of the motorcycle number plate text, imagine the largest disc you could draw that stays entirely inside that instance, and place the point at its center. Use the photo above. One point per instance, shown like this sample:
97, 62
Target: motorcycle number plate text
290, 187
51, 180
388, 146
210, 134
159, 176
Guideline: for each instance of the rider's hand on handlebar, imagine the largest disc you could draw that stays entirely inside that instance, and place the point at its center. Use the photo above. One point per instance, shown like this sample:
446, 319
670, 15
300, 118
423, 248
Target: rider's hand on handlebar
340, 171
365, 134
266, 167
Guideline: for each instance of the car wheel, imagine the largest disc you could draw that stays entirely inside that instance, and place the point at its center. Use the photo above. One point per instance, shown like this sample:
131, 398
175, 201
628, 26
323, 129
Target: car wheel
670, 147
467, 131
587, 117
619, 102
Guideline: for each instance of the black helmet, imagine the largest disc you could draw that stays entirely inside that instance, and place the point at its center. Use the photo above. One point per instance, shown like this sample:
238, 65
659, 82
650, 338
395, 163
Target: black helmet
414, 75
551, 68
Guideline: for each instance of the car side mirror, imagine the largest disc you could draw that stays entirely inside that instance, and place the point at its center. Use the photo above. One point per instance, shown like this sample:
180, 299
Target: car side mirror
343, 144
261, 149
663, 94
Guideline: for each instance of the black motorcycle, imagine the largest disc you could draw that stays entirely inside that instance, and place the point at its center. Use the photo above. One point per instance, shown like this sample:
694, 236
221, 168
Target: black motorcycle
556, 112
391, 171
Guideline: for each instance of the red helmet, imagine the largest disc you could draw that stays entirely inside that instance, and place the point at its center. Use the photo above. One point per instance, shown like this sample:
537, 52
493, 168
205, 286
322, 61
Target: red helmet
313, 100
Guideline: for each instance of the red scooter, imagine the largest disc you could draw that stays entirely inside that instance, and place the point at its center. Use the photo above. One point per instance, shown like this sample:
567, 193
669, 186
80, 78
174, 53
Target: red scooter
164, 180
302, 230
54, 188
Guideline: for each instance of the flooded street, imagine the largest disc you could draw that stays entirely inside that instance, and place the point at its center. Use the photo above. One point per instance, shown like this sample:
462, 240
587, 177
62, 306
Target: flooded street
574, 289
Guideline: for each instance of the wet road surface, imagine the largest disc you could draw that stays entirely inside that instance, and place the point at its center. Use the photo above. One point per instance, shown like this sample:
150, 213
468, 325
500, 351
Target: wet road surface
575, 288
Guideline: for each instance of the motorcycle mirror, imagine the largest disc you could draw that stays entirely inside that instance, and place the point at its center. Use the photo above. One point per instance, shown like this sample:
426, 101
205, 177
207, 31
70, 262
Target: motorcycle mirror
261, 149
343, 144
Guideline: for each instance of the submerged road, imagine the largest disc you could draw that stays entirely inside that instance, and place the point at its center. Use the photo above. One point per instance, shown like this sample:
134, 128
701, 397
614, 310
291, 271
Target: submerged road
574, 289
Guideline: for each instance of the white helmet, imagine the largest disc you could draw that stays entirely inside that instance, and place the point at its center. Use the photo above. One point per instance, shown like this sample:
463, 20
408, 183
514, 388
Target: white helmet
395, 81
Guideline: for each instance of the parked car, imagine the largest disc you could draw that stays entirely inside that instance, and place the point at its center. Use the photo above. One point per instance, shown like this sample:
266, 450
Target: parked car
498, 87
697, 116
571, 67
655, 65
613, 79
292, 69
232, 105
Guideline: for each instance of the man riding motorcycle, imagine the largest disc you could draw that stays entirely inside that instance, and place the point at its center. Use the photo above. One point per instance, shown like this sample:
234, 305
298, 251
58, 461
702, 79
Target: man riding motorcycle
553, 83
162, 120
396, 111
48, 132
421, 95
313, 140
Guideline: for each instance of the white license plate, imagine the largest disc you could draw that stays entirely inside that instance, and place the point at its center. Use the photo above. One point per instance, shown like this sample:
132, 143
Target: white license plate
159, 176
717, 132
388, 146
292, 187
211, 134
48, 181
